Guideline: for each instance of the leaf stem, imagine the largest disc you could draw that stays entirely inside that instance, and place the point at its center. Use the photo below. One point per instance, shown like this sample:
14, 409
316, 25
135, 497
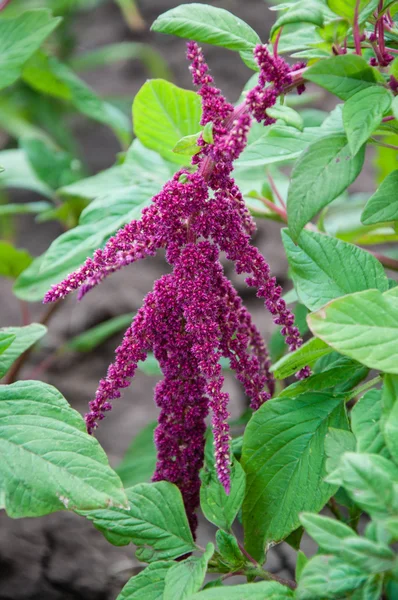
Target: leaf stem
273, 208
275, 190
378, 143
334, 509
362, 388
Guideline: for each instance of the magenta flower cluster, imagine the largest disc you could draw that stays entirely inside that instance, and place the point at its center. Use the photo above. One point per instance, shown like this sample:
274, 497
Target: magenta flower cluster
193, 316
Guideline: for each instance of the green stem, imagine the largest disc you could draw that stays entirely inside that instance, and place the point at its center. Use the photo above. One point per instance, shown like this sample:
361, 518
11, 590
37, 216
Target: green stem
362, 388
334, 509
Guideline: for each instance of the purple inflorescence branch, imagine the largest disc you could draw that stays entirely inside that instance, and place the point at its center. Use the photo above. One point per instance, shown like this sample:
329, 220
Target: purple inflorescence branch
194, 316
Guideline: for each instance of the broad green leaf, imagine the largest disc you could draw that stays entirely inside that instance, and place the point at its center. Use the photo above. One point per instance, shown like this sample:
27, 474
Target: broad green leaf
187, 577
307, 354
328, 577
366, 424
298, 37
49, 462
284, 460
305, 11
6, 339
123, 51
300, 564
148, 584
187, 145
164, 113
155, 522
25, 337
336, 376
229, 549
343, 75
140, 164
372, 590
317, 279
93, 337
24, 208
12, 260
383, 205
101, 219
48, 75
248, 591
346, 8
53, 166
208, 24
138, 464
340, 540
287, 114
217, 507
337, 441
20, 38
389, 423
276, 144
363, 326
371, 481
395, 107
18, 173
321, 174
362, 114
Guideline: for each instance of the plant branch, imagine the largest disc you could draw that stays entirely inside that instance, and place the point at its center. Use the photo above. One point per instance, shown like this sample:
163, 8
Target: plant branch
356, 32
334, 509
275, 190
19, 363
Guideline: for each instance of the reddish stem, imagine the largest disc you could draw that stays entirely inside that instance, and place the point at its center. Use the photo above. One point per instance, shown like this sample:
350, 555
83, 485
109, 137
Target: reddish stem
275, 190
4, 3
278, 35
389, 118
356, 32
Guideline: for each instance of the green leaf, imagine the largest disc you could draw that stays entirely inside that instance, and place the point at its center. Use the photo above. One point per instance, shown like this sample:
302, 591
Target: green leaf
229, 550
328, 577
20, 38
365, 423
155, 522
346, 8
148, 584
287, 114
340, 540
6, 339
395, 107
321, 174
307, 354
363, 326
362, 114
187, 577
138, 464
12, 260
317, 279
389, 423
163, 114
49, 462
25, 337
18, 173
207, 133
336, 376
208, 24
372, 590
284, 460
53, 166
343, 75
24, 208
187, 145
300, 564
250, 591
97, 223
337, 441
93, 337
294, 538
306, 11
48, 75
276, 144
383, 205
217, 507
371, 482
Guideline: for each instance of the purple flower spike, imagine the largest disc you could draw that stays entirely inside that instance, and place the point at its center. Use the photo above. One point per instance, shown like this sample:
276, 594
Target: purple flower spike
193, 317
